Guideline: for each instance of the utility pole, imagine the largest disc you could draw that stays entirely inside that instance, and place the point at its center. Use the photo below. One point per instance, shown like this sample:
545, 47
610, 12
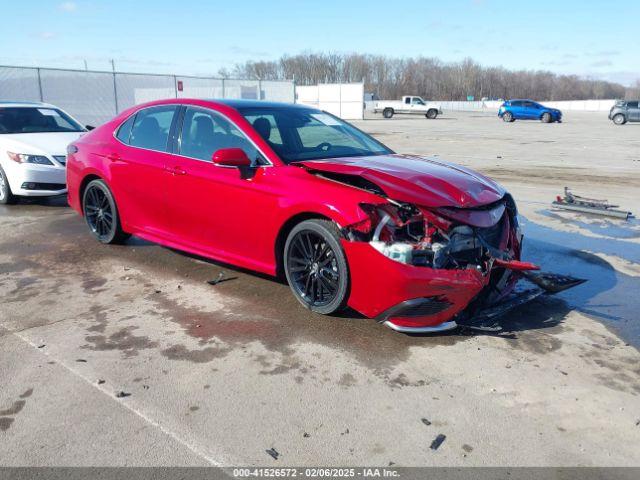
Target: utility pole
115, 87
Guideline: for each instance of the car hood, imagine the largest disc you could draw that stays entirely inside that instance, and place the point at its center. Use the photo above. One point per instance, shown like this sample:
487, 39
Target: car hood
415, 179
46, 143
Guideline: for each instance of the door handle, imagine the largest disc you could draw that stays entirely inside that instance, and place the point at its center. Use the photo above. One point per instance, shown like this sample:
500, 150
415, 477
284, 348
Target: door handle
176, 170
114, 157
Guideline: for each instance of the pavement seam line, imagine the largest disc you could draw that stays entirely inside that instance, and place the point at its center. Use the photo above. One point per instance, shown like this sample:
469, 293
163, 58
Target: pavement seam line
193, 448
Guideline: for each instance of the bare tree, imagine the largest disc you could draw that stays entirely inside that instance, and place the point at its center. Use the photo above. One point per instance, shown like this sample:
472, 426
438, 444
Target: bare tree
391, 77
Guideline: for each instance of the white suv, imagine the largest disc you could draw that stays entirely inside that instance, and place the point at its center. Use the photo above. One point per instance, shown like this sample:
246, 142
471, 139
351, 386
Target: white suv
33, 149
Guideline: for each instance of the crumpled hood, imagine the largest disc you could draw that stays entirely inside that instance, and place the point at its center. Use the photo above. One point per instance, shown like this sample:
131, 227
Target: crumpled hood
419, 180
46, 143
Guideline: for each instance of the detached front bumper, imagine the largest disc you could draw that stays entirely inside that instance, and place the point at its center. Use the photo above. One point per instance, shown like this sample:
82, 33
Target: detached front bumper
415, 299
405, 297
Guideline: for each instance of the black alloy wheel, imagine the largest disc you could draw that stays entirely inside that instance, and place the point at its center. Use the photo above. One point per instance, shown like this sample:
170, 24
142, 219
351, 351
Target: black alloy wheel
316, 266
101, 213
507, 117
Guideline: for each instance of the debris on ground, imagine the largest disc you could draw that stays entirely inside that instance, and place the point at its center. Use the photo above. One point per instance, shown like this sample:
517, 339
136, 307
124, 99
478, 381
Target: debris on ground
426, 422
42, 345
145, 387
122, 394
221, 278
158, 291
577, 203
346, 432
100, 381
273, 453
216, 280
437, 441
306, 435
81, 360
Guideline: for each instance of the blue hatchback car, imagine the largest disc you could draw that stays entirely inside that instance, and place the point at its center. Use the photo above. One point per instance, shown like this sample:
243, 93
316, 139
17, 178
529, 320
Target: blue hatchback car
512, 110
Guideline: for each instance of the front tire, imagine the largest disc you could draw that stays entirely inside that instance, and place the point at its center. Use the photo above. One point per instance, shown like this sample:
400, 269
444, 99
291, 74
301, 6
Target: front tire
508, 117
431, 114
546, 117
6, 197
316, 266
387, 112
619, 119
101, 213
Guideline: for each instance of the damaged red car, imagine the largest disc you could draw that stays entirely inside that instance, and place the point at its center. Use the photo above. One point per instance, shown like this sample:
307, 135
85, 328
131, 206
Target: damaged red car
417, 243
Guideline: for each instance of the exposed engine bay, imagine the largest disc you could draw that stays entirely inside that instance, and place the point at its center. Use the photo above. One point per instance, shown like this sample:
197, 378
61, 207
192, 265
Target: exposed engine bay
439, 239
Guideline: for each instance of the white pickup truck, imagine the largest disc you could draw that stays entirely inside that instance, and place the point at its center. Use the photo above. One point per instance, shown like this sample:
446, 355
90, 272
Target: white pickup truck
408, 104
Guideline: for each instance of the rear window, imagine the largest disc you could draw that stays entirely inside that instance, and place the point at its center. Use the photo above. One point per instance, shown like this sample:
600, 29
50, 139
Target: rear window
632, 104
36, 120
151, 128
124, 132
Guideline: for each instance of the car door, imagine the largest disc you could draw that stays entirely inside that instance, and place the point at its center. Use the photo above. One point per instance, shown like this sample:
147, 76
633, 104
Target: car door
138, 163
406, 108
516, 109
529, 110
217, 210
634, 111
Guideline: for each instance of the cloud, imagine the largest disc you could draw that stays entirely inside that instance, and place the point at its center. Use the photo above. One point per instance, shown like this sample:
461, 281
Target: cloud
68, 6
601, 63
46, 35
603, 53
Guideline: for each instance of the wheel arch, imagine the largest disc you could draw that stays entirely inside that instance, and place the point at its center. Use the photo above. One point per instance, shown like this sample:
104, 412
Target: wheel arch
83, 186
284, 231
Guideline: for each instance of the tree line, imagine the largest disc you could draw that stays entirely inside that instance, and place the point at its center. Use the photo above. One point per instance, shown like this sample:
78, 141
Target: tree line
431, 78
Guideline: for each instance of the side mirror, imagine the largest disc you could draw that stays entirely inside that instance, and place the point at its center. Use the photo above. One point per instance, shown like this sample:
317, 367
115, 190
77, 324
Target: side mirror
231, 157
89, 127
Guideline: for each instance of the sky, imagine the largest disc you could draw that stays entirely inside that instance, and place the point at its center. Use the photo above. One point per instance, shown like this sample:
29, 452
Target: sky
598, 39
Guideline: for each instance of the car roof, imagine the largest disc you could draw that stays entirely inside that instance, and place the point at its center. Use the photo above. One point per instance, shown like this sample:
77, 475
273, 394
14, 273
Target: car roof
238, 103
17, 104
521, 100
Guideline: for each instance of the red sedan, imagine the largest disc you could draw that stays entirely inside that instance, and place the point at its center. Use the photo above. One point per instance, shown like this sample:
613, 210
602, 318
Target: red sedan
290, 190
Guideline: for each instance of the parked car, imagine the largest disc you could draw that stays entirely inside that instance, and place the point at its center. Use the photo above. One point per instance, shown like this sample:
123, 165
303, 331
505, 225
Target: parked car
33, 143
409, 104
513, 110
290, 190
624, 111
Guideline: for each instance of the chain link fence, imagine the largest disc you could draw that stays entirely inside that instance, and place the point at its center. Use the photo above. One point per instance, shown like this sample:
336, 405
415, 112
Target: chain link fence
94, 97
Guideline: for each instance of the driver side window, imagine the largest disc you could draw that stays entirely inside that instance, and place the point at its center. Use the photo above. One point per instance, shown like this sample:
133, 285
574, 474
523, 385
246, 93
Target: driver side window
204, 132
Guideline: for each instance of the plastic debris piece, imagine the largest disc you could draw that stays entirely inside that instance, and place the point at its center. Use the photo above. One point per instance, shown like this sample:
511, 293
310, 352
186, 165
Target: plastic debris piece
438, 441
273, 453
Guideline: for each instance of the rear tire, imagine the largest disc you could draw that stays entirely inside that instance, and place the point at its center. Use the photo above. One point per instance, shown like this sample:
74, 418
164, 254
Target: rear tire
6, 197
101, 213
619, 119
316, 266
508, 117
431, 114
546, 117
387, 112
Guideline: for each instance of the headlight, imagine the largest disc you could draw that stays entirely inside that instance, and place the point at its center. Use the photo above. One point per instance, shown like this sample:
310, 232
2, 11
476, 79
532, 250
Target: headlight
24, 158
